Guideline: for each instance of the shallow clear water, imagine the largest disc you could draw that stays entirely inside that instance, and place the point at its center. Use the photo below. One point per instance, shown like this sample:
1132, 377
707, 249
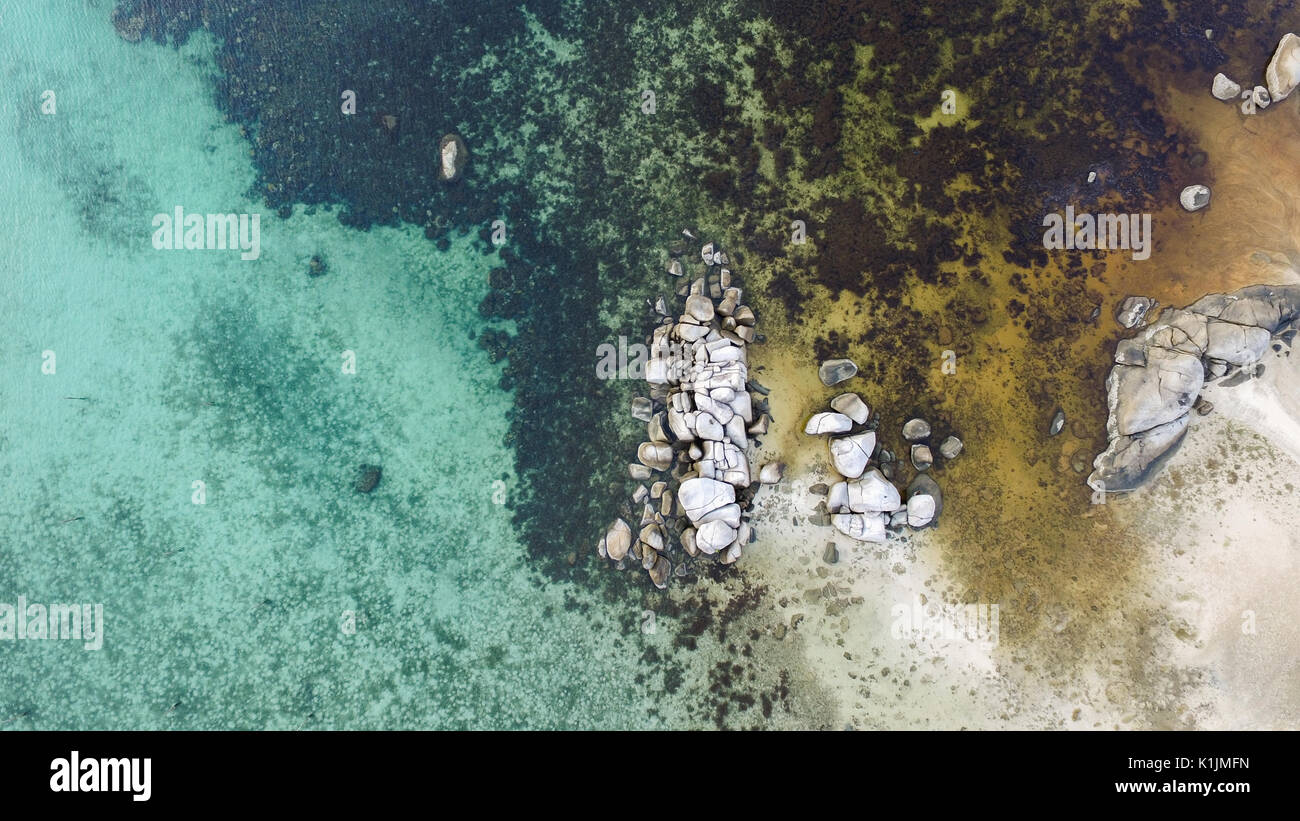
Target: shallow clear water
285, 599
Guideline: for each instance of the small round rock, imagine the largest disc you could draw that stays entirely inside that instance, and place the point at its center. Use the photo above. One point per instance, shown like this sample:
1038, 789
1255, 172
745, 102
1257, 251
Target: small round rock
1194, 197
915, 429
950, 448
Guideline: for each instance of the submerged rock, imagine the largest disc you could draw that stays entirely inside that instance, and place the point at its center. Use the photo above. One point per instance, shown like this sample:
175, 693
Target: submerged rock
1057, 424
951, 447
659, 572
654, 455
830, 555
368, 478
642, 408
835, 371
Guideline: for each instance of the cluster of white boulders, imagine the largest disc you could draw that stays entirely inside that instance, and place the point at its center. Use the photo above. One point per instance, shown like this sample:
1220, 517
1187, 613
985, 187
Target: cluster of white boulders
1282, 76
699, 418
865, 505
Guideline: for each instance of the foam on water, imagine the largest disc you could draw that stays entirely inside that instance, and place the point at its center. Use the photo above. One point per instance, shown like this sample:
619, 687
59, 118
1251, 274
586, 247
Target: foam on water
199, 366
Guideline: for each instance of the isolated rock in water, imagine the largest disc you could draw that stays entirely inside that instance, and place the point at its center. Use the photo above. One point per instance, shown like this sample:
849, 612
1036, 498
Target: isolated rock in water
951, 447
852, 406
863, 527
1283, 72
922, 458
924, 501
616, 541
368, 477
1057, 424
828, 423
835, 371
1261, 97
1133, 311
1194, 197
915, 429
698, 496
1225, 89
453, 157
770, 473
850, 454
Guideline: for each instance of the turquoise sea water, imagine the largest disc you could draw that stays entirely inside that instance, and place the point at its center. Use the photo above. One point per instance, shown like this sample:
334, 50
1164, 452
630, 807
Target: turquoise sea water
176, 367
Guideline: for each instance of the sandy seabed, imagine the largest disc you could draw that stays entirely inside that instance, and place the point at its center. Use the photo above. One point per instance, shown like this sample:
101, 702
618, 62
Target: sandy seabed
1196, 630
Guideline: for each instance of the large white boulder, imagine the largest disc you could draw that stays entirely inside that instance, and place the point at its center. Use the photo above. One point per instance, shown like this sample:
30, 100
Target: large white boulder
713, 536
850, 454
1283, 73
873, 493
727, 513
698, 496
828, 423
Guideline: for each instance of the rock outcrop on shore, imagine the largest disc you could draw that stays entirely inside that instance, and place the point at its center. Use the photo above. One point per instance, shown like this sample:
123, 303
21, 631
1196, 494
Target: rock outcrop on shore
1158, 374
701, 419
